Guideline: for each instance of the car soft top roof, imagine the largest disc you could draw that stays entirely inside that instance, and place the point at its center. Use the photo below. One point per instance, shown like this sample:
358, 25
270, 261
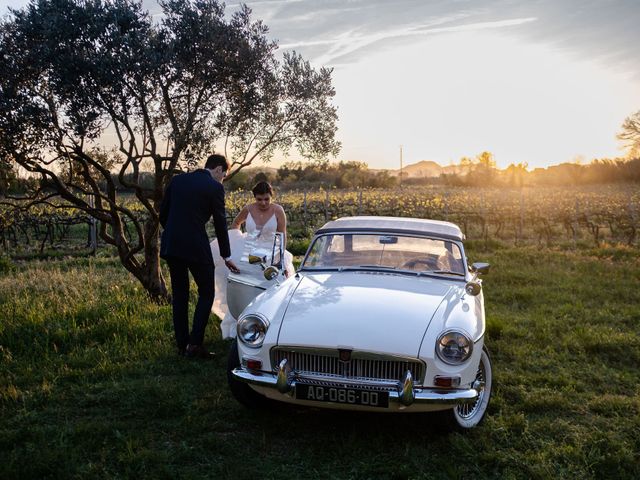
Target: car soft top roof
407, 225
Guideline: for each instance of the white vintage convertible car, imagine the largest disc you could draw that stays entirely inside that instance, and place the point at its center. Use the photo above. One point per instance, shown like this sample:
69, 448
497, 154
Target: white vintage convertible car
384, 314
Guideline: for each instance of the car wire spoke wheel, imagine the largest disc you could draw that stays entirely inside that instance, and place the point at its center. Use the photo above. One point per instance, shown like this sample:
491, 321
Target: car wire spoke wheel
471, 414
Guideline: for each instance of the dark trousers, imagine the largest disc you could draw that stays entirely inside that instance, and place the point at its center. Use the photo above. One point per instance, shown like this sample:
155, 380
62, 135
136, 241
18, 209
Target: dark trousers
203, 275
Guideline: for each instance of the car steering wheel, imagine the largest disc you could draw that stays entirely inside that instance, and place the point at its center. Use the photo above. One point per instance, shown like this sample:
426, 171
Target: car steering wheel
429, 263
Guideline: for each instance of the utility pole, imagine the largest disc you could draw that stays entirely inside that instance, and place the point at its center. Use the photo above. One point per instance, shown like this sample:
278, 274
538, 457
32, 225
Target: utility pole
400, 166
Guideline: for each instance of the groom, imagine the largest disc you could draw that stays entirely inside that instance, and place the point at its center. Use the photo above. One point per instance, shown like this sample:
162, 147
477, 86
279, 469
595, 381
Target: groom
190, 200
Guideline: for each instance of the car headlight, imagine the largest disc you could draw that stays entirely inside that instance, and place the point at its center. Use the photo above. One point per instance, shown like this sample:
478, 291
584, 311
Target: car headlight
252, 329
454, 347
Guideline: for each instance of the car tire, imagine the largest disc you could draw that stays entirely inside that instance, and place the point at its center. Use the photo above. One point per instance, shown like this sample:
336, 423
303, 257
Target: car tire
242, 392
468, 416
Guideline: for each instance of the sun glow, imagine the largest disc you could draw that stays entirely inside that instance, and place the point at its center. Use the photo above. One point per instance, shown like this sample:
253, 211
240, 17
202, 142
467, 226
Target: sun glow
457, 94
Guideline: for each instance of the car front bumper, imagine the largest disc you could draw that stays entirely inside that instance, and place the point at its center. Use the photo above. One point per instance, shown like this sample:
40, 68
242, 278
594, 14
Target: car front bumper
402, 392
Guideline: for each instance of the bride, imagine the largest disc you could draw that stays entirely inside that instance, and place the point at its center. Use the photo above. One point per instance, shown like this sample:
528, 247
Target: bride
262, 220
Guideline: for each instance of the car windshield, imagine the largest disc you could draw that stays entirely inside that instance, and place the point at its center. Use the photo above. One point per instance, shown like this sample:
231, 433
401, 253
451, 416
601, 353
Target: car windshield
385, 252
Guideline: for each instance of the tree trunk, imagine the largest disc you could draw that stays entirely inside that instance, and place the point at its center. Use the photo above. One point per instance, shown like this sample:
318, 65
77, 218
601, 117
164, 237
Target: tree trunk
147, 271
151, 274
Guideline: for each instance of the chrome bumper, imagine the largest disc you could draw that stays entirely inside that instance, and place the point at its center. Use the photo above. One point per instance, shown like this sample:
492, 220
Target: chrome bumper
399, 392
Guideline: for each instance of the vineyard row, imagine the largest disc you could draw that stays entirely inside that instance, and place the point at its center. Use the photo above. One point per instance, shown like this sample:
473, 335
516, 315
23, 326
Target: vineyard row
541, 217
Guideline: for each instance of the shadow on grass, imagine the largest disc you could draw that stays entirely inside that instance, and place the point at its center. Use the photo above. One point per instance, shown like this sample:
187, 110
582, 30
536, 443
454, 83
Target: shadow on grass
299, 420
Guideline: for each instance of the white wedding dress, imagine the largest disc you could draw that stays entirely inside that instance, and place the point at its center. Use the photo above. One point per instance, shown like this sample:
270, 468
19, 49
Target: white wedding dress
256, 238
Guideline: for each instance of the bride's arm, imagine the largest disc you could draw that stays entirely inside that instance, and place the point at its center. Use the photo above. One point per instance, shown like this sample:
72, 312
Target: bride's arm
240, 218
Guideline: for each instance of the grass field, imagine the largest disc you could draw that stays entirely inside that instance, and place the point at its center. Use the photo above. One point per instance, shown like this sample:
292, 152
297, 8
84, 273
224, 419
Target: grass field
91, 387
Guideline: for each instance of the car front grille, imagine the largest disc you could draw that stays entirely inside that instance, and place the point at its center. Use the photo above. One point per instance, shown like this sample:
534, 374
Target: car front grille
361, 366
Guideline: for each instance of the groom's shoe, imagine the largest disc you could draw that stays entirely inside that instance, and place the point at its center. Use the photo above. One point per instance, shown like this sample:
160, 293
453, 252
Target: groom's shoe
198, 351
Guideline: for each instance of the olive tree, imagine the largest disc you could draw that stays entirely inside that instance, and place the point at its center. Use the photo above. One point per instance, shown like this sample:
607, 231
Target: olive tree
96, 94
630, 134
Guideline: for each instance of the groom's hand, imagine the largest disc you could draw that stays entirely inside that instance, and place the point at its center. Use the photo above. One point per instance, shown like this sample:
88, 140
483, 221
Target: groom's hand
231, 266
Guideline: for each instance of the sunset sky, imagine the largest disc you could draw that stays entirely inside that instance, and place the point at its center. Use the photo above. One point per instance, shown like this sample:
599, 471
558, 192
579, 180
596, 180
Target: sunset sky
541, 82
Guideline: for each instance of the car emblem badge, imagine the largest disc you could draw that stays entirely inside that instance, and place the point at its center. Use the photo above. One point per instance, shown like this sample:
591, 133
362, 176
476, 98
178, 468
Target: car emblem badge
345, 355
345, 361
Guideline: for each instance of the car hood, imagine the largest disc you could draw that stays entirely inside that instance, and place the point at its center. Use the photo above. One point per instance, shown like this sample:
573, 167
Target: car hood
369, 311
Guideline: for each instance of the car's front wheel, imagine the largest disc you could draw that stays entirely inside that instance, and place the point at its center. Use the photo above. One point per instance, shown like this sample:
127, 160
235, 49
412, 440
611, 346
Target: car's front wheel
469, 415
242, 392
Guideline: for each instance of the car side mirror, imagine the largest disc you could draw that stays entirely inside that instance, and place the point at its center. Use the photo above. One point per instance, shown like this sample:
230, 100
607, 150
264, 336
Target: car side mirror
474, 286
271, 272
253, 259
277, 258
271, 268
480, 268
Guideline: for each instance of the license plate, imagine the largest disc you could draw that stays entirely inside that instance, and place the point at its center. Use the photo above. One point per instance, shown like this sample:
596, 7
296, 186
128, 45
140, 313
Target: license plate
349, 396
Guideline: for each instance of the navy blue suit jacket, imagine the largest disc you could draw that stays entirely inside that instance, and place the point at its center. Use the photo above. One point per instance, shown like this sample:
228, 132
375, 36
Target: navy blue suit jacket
190, 200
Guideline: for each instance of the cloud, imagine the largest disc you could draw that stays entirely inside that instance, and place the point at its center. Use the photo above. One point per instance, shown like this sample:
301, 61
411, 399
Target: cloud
265, 2
342, 30
351, 41
337, 31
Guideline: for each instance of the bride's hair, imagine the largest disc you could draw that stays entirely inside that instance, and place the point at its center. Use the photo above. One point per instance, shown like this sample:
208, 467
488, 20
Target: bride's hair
261, 188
